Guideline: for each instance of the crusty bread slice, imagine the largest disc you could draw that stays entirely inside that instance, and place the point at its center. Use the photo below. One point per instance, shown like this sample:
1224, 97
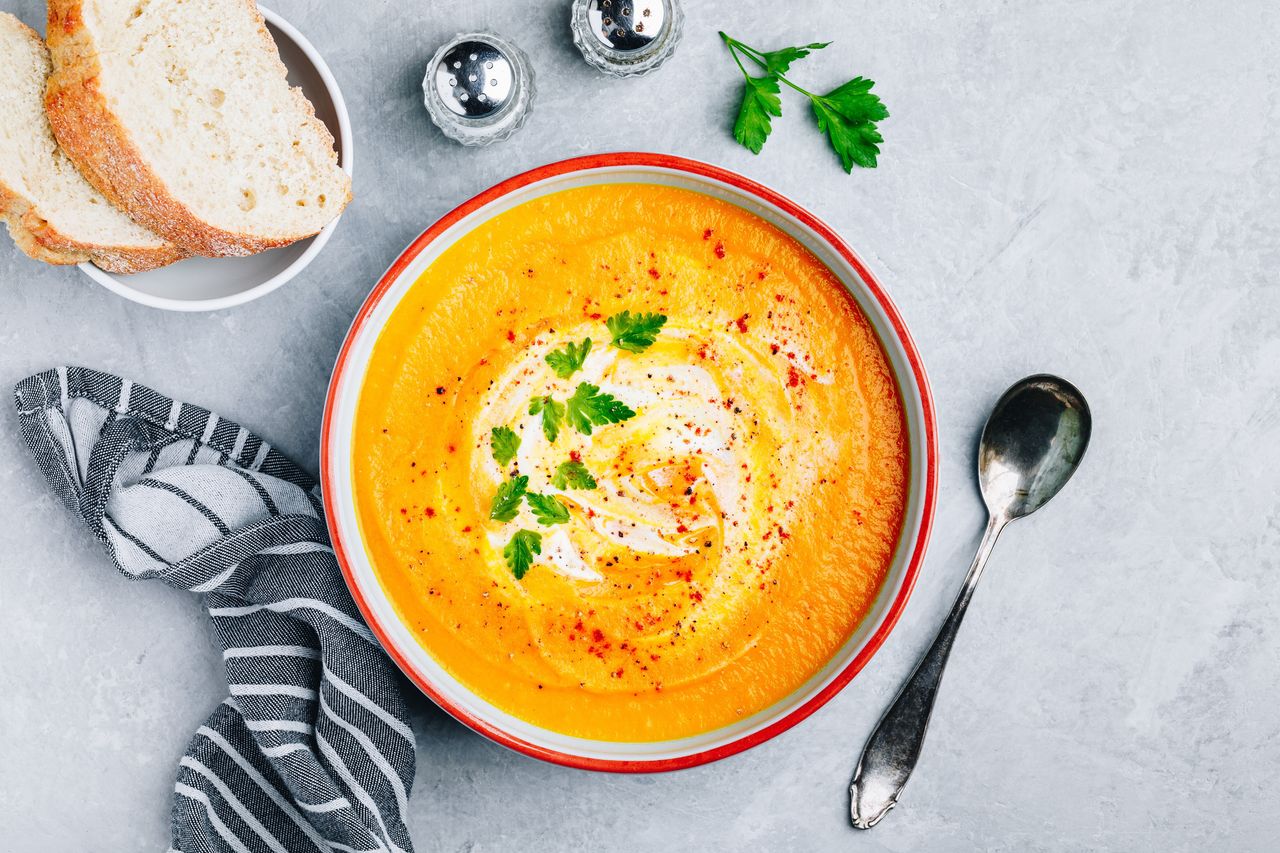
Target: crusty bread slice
53, 214
180, 112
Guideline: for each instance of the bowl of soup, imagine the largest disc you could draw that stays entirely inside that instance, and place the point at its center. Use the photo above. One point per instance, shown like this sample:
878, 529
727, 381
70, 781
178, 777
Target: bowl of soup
629, 463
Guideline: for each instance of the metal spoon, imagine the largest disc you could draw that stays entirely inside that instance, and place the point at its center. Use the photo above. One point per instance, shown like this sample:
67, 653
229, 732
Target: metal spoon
1031, 445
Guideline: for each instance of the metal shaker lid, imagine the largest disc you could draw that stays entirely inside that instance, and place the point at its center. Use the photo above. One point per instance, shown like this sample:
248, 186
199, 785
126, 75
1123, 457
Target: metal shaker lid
626, 38
478, 88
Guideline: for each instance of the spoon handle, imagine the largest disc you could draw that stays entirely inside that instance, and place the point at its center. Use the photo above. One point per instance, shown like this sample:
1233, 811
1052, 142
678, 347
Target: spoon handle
894, 746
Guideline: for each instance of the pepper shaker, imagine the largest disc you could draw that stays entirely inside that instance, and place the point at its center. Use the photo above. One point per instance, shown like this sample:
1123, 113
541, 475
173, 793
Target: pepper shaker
478, 88
626, 38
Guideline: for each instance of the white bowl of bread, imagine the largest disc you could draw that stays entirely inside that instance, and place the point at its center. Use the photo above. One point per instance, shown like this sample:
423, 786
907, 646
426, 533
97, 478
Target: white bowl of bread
187, 155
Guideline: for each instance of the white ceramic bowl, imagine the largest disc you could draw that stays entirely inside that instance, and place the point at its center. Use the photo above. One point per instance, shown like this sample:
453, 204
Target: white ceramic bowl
337, 475
210, 284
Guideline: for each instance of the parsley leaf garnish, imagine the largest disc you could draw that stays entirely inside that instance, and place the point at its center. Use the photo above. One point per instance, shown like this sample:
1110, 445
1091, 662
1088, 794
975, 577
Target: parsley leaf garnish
504, 443
565, 361
854, 101
548, 509
760, 102
634, 332
506, 501
520, 550
552, 415
589, 406
573, 475
779, 61
847, 114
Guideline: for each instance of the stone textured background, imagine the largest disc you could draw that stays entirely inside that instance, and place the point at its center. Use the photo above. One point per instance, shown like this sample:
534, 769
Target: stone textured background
1088, 188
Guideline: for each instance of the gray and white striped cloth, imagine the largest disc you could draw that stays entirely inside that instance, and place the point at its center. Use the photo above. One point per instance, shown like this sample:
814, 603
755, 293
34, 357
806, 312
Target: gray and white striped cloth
311, 751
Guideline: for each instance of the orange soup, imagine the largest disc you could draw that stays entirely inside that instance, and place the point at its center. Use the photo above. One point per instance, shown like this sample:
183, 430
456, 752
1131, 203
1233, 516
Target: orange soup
630, 462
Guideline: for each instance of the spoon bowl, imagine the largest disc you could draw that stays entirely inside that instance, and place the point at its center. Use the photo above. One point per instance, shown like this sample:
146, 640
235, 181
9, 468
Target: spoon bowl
1032, 444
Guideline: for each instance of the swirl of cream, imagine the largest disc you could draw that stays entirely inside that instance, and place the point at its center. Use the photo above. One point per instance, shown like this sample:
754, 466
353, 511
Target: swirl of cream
679, 535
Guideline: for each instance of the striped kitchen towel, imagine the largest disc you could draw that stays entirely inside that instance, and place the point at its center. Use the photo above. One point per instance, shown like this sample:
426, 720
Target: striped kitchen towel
311, 751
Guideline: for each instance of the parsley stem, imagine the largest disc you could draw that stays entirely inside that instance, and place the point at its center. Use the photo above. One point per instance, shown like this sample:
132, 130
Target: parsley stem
802, 91
758, 58
756, 55
733, 45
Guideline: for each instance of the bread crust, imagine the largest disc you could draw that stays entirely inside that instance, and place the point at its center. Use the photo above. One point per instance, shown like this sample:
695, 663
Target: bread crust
15, 211
36, 237
42, 242
102, 147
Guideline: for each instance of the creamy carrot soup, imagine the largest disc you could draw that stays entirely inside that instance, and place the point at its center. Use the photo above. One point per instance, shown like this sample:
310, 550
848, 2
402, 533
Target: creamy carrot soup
630, 462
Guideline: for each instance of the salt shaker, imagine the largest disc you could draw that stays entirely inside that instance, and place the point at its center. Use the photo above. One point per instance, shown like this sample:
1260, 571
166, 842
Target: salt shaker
626, 38
479, 88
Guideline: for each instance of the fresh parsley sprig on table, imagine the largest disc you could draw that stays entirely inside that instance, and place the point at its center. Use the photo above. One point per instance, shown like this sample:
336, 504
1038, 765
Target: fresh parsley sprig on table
847, 114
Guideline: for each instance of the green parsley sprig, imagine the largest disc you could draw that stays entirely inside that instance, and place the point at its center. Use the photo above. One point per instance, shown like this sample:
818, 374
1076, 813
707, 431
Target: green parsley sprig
634, 332
552, 415
504, 443
573, 475
847, 114
548, 509
520, 550
506, 501
590, 406
569, 359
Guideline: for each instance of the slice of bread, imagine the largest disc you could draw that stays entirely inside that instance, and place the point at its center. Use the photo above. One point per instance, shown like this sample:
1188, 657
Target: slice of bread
53, 214
180, 112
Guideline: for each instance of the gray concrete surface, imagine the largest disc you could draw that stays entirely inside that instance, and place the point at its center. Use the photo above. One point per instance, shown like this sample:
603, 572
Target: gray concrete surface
1090, 188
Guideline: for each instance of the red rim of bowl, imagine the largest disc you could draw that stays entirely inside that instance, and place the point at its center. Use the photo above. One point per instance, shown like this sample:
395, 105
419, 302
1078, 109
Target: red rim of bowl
706, 170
